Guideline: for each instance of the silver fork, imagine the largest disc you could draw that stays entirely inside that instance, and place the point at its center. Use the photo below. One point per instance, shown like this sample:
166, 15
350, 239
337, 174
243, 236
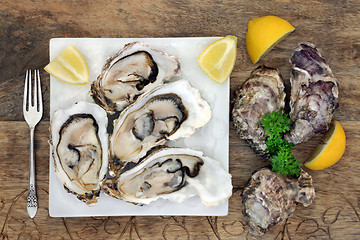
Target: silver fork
32, 110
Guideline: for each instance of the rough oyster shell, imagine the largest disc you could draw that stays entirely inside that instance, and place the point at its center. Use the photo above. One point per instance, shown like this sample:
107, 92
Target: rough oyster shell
174, 174
80, 149
269, 198
168, 112
261, 93
135, 69
314, 94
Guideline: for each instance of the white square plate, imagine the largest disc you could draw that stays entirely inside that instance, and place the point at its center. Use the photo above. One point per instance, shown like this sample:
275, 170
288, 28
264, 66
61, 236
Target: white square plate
213, 139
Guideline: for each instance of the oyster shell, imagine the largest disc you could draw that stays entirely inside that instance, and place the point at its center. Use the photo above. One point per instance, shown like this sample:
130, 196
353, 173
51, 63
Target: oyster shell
168, 112
314, 94
80, 149
261, 93
269, 198
134, 70
174, 174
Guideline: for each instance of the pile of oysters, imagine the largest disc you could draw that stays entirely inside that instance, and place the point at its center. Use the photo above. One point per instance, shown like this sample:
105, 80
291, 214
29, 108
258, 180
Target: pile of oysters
116, 145
270, 198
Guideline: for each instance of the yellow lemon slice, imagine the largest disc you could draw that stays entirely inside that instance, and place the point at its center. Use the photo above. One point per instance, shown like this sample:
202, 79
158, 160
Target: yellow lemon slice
332, 149
69, 66
264, 33
218, 59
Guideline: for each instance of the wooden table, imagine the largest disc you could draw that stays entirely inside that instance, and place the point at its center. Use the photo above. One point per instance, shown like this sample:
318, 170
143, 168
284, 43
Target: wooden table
26, 28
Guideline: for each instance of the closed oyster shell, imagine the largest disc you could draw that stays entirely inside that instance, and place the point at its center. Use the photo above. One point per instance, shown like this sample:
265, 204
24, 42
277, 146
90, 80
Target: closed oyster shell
314, 94
270, 198
80, 149
135, 69
174, 174
261, 93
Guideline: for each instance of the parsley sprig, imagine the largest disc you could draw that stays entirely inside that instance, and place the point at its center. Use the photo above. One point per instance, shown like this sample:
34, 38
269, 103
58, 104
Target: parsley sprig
282, 161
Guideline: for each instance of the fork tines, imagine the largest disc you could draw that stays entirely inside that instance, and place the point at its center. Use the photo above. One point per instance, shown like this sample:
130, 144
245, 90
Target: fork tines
36, 101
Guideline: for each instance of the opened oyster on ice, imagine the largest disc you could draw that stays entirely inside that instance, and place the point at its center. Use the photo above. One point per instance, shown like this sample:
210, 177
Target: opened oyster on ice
135, 69
80, 143
314, 93
168, 112
172, 173
270, 198
127, 160
261, 93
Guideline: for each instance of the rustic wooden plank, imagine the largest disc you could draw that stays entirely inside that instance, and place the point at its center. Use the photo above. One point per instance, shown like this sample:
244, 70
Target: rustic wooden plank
334, 213
28, 26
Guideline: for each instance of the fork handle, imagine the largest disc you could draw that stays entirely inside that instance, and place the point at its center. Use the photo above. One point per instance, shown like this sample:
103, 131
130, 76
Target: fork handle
32, 204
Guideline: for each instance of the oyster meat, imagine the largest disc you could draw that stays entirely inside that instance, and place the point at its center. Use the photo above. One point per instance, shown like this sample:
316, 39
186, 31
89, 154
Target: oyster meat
269, 198
314, 94
80, 149
261, 93
135, 69
168, 112
172, 173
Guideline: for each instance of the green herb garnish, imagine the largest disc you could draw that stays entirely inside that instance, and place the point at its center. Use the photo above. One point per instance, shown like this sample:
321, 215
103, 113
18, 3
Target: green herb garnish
282, 161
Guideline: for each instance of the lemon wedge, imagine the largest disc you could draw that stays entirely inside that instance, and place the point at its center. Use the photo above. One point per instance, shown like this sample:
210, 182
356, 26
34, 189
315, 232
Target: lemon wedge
332, 149
264, 33
70, 67
218, 59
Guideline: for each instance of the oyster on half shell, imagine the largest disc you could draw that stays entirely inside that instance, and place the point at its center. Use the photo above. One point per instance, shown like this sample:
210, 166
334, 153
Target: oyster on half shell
80, 149
174, 174
168, 112
135, 69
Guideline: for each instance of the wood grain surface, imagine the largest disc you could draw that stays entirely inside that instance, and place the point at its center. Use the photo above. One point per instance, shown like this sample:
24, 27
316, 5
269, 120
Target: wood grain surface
26, 28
